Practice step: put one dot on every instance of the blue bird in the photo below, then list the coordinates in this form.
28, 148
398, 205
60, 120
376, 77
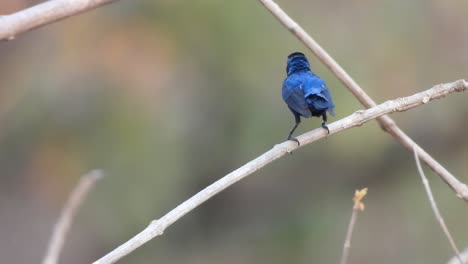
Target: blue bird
305, 93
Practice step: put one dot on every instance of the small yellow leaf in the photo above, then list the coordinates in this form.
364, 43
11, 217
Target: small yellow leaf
358, 196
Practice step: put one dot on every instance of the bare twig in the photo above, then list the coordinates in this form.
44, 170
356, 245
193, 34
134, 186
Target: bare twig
64, 222
357, 207
358, 118
433, 203
463, 255
386, 122
43, 14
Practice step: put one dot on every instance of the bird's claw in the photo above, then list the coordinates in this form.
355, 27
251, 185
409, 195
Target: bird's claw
326, 127
294, 139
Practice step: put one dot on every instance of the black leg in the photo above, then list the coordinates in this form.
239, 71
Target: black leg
298, 121
324, 118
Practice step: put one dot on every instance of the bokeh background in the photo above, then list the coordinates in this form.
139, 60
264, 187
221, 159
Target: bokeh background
169, 96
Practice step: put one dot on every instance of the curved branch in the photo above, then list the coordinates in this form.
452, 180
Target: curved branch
43, 14
435, 208
64, 222
157, 227
385, 122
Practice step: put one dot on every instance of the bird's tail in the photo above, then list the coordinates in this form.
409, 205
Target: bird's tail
320, 103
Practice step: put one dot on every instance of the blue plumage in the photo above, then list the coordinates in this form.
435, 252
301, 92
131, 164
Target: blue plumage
305, 93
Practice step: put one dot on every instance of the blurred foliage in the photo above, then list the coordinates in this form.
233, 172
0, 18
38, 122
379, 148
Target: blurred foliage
168, 96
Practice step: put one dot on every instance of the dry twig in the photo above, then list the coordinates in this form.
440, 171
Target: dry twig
67, 215
386, 122
358, 118
433, 203
357, 207
43, 14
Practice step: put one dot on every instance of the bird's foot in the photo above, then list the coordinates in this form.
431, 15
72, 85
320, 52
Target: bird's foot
326, 127
294, 139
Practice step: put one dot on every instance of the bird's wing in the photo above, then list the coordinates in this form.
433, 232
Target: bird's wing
293, 95
314, 86
318, 95
331, 106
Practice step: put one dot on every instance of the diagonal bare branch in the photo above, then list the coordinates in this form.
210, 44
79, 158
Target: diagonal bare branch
386, 122
64, 222
43, 14
157, 227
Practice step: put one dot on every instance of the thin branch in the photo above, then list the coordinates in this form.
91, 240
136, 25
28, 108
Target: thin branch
67, 215
357, 207
385, 122
433, 203
349, 234
463, 255
358, 118
43, 14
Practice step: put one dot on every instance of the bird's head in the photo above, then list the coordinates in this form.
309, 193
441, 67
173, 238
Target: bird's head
296, 62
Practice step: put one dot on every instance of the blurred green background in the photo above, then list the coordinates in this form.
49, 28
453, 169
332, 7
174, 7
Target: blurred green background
169, 96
